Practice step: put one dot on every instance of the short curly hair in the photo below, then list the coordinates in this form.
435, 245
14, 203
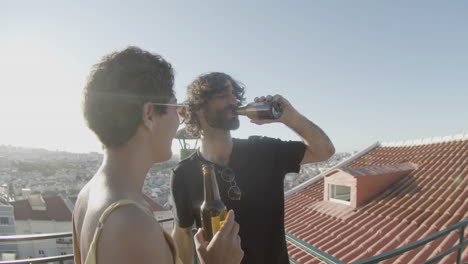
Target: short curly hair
201, 90
117, 88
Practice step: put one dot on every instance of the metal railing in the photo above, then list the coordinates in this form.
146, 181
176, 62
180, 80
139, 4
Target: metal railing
393, 253
59, 259
22, 238
462, 243
323, 256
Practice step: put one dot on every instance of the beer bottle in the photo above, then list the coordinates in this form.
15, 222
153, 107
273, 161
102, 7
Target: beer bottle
263, 110
213, 210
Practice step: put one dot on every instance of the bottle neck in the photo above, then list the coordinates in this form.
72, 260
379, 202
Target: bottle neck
242, 110
211, 184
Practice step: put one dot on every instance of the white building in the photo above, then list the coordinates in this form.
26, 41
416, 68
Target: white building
7, 227
42, 215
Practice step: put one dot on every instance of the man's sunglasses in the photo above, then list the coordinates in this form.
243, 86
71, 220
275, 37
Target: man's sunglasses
180, 108
227, 174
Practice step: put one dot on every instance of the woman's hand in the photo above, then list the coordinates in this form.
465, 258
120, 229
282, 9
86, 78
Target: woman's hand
225, 247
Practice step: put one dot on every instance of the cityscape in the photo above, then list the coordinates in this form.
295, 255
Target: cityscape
52, 173
38, 189
389, 184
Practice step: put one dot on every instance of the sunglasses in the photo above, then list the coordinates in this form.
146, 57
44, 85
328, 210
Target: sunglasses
227, 175
180, 109
234, 192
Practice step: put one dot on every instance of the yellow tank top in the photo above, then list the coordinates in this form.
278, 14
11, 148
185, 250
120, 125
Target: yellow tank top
91, 257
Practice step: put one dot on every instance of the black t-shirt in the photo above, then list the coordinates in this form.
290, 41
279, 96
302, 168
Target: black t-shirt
259, 165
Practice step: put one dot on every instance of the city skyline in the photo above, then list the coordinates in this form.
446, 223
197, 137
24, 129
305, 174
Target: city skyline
370, 72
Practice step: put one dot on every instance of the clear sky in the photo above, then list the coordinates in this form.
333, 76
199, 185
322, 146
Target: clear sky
364, 71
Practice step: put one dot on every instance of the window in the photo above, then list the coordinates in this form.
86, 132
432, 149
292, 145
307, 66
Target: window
41, 252
64, 241
4, 221
8, 256
340, 194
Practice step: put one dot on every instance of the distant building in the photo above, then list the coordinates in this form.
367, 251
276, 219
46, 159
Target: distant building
38, 215
25, 193
7, 227
290, 180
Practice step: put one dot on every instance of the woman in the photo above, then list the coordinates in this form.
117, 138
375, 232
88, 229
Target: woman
129, 104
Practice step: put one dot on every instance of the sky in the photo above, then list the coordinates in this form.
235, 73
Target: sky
363, 71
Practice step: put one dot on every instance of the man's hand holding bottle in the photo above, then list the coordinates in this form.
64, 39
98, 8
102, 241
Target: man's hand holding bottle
285, 112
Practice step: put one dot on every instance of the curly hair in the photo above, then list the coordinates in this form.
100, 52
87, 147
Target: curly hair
117, 88
201, 90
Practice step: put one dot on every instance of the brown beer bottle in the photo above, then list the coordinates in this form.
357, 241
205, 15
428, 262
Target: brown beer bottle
263, 110
213, 210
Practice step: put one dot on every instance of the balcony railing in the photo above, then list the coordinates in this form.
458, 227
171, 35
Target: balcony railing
59, 259
292, 239
317, 253
387, 255
25, 238
462, 243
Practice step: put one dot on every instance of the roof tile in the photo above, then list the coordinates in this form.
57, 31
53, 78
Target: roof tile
427, 200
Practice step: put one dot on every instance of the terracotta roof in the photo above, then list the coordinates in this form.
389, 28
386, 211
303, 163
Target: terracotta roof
55, 209
378, 170
427, 200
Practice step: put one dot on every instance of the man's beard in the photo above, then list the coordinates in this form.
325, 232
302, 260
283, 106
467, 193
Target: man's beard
218, 119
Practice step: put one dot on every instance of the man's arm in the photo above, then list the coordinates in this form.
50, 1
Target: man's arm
184, 241
318, 146
183, 215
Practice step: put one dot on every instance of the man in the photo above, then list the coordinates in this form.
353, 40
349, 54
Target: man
250, 172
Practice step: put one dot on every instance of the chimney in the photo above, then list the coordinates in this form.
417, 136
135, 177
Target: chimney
25, 193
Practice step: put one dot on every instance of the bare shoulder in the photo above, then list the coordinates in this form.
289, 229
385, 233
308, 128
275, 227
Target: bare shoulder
130, 235
80, 208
